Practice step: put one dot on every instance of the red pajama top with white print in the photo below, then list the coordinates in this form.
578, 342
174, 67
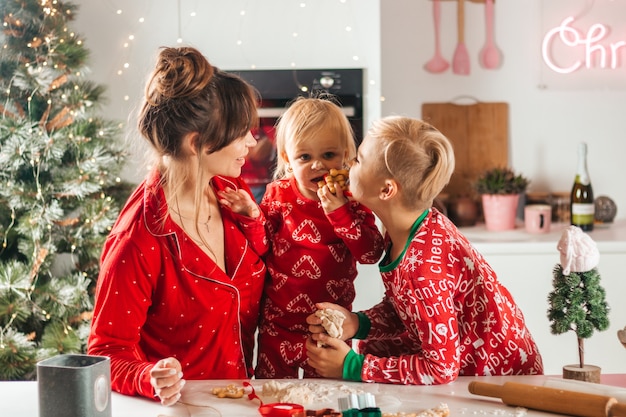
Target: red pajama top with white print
312, 259
159, 295
444, 314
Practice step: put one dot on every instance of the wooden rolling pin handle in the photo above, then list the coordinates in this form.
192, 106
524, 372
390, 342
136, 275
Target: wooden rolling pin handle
547, 399
617, 410
488, 390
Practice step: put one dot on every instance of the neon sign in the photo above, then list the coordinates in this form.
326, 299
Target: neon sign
565, 35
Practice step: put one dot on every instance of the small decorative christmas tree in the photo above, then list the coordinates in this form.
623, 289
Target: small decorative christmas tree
59, 185
577, 302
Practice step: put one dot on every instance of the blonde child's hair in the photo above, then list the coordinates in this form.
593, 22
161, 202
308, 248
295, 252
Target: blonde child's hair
416, 155
303, 120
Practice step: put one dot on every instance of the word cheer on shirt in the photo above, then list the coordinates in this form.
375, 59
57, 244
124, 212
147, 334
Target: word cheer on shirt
444, 314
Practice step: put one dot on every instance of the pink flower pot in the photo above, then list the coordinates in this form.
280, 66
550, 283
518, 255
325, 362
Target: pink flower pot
500, 211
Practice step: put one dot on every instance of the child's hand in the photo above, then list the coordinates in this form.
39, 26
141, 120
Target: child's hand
329, 358
239, 201
331, 201
350, 323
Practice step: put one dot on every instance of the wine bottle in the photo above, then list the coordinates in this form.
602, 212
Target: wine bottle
581, 199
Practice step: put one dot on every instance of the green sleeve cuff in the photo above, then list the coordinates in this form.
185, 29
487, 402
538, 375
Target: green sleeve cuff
364, 326
352, 365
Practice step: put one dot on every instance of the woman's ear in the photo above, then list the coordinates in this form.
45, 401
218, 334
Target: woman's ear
389, 190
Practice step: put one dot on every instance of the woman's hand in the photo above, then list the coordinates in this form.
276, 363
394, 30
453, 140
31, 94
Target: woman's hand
239, 201
328, 359
166, 377
350, 323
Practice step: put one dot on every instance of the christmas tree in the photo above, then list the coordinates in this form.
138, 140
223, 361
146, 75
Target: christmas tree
59, 187
577, 301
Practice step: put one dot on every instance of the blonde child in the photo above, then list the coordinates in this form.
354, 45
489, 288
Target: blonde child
444, 312
316, 237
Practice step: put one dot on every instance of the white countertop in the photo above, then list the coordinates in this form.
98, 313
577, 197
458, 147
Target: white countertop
609, 238
20, 399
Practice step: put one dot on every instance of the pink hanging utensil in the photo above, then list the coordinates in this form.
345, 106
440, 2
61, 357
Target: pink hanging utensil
437, 63
460, 59
489, 56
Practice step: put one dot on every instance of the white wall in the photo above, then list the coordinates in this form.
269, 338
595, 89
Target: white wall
234, 35
544, 125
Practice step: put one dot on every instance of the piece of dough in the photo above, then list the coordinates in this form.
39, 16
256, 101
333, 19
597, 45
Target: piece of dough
332, 321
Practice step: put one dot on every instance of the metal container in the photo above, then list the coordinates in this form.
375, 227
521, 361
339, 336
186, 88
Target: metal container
74, 386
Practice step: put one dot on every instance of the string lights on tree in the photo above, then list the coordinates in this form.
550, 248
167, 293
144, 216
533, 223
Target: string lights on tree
230, 34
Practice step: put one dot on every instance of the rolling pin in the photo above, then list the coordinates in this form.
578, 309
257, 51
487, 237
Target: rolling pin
551, 399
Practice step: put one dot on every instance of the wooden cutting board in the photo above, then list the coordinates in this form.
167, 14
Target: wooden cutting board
479, 133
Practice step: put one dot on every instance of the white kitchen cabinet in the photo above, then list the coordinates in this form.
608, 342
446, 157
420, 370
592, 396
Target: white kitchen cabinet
524, 264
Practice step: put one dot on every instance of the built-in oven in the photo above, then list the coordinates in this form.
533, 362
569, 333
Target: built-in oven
278, 88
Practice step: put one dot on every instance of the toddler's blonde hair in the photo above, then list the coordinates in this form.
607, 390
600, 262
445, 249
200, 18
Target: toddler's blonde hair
303, 120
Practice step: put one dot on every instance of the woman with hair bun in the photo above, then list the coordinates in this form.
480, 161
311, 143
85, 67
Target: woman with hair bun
181, 271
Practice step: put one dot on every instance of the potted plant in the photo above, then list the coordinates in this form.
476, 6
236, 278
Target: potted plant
500, 189
578, 300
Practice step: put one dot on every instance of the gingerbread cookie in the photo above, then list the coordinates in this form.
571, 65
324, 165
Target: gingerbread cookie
339, 176
229, 391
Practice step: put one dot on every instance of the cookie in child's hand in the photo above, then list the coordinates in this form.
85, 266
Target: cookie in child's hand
339, 176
